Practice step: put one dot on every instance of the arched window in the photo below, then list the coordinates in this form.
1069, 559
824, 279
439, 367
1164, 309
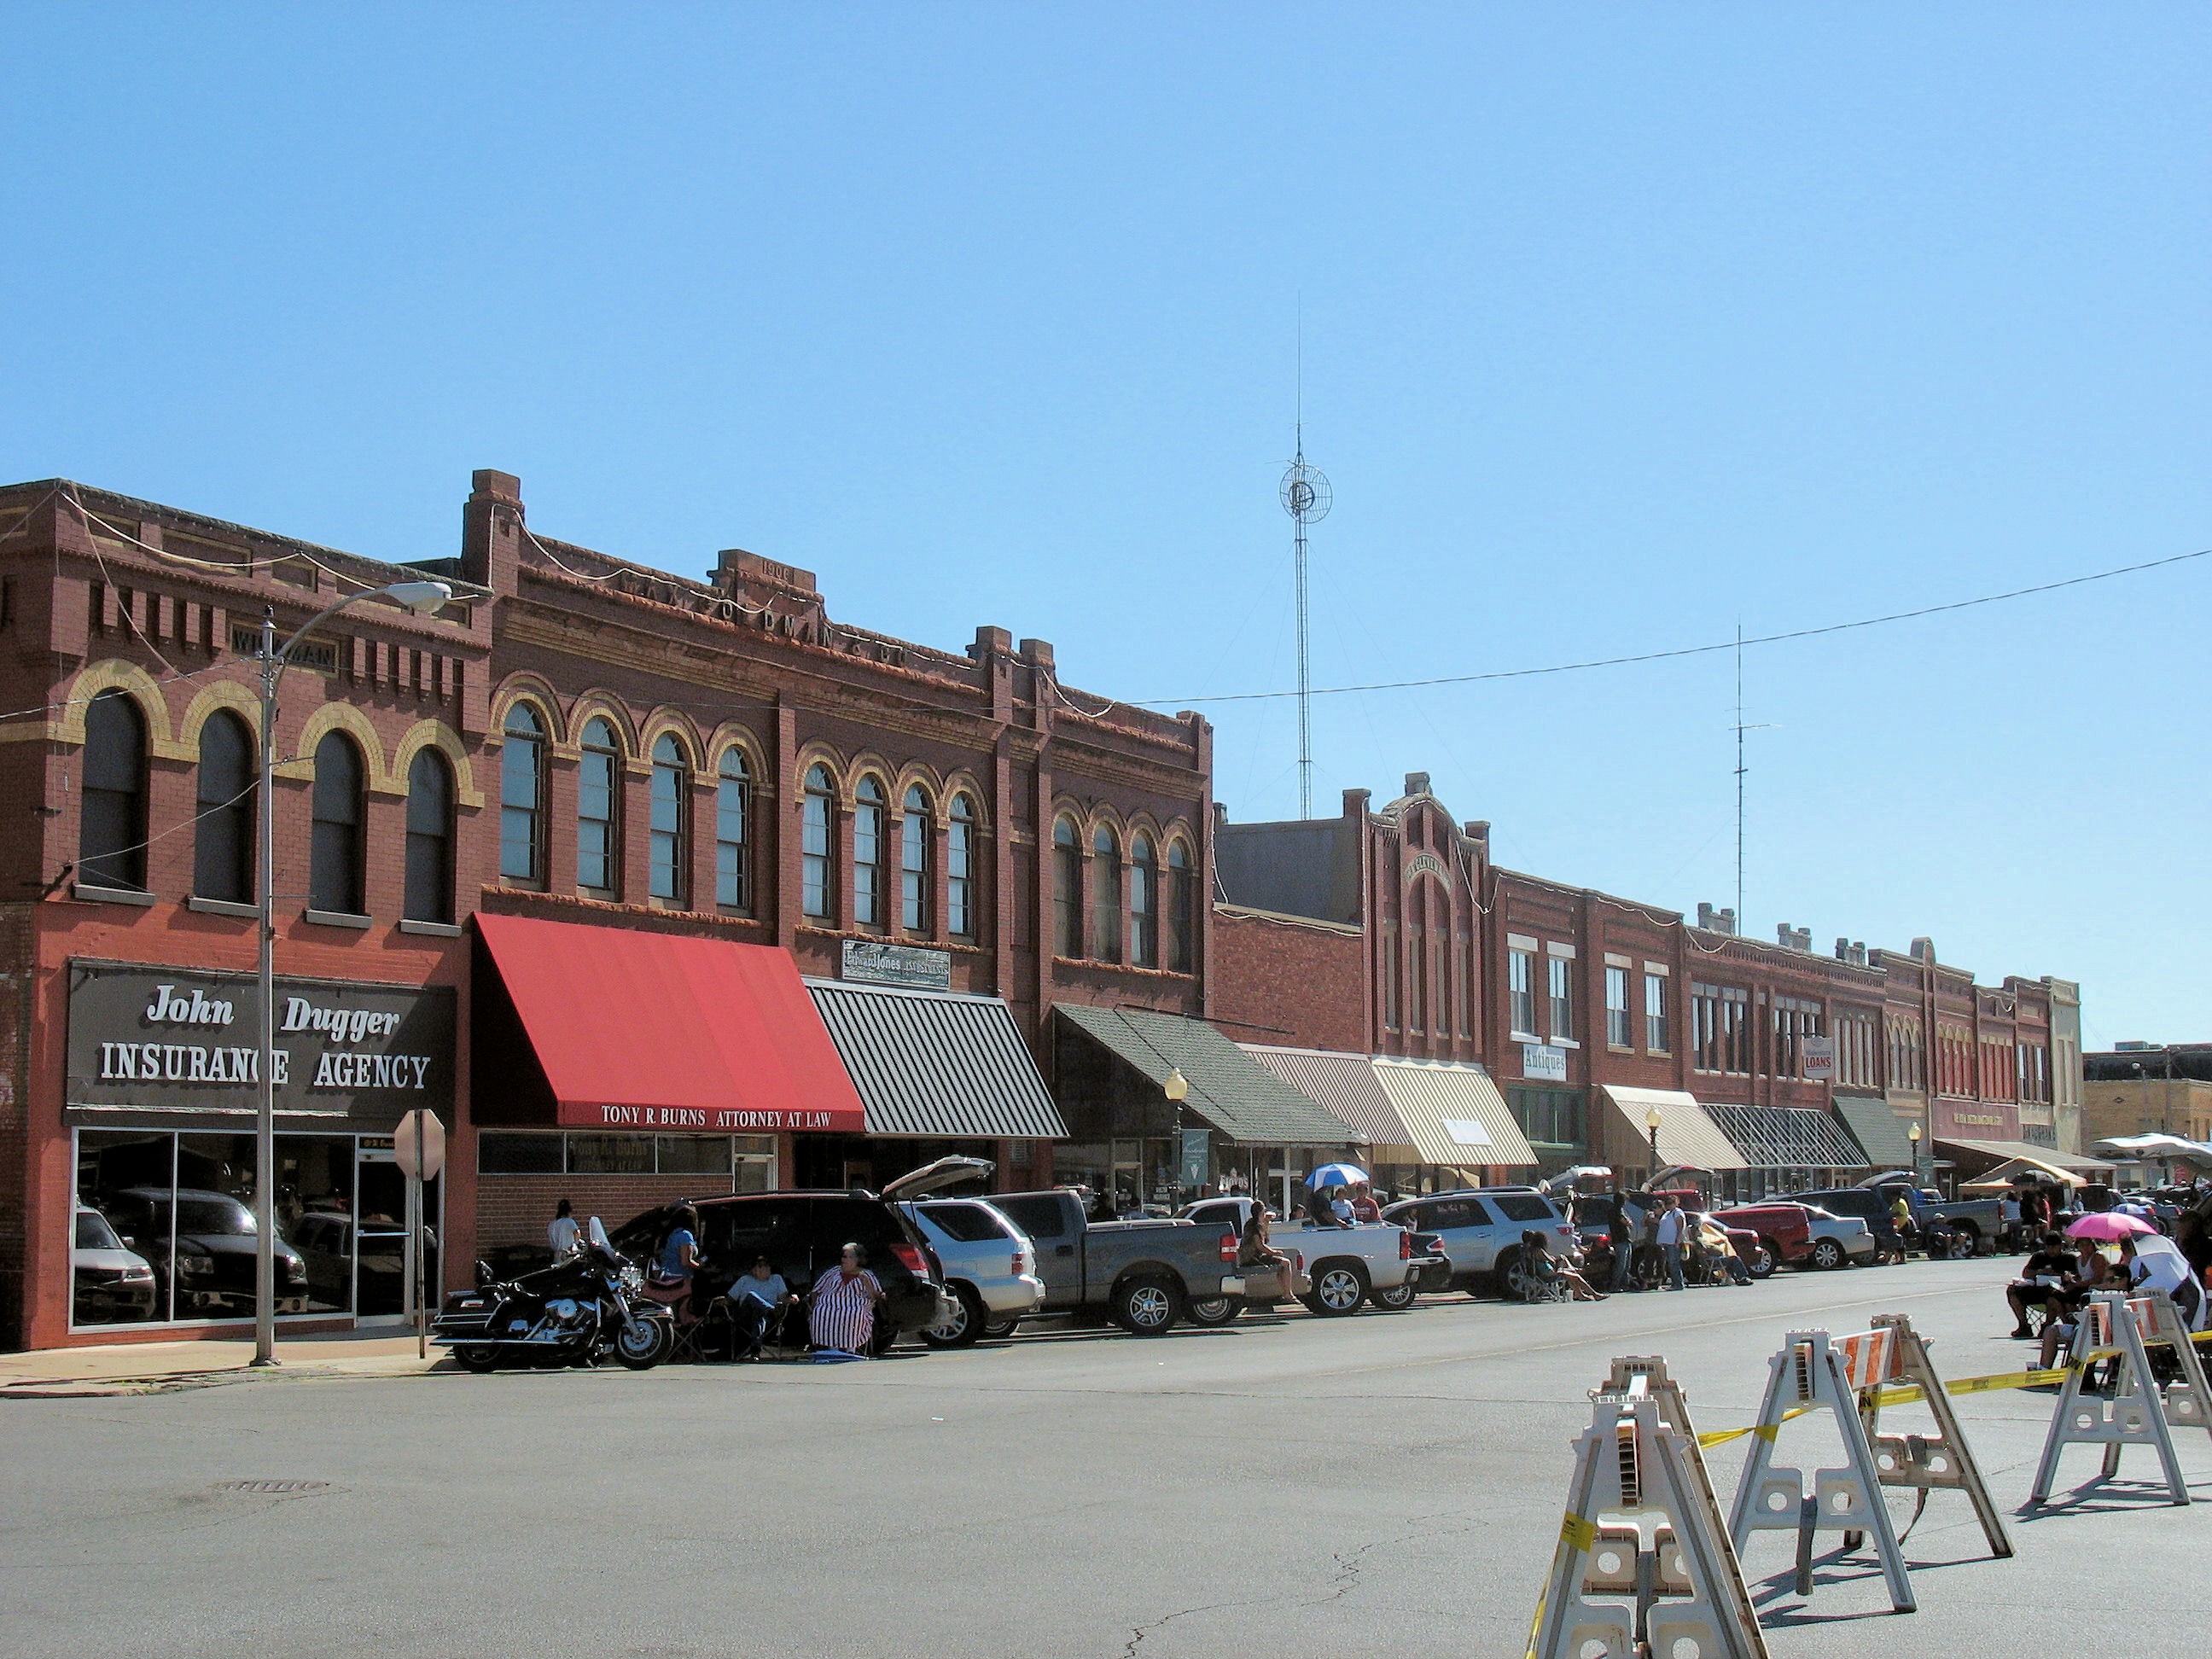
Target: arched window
112, 835
429, 839
222, 843
960, 869
1066, 888
598, 805
816, 889
1143, 904
868, 852
913, 862
334, 864
734, 790
522, 798
1183, 910
669, 854
1105, 896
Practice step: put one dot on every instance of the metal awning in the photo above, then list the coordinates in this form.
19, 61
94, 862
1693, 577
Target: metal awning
937, 1063
1998, 1151
1787, 1138
1879, 1131
1229, 1089
1686, 1135
1454, 1112
1346, 1086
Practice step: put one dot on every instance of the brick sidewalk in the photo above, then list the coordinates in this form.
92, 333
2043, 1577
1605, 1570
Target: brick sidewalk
144, 1367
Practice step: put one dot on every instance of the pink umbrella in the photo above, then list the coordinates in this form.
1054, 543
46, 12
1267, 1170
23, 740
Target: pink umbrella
2109, 1227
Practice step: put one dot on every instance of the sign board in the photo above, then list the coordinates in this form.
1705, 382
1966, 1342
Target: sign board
433, 1140
1465, 1132
155, 1039
1543, 1062
1197, 1159
1819, 1055
1427, 864
872, 963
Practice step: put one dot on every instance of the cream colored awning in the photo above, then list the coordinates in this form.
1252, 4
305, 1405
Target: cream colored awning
1454, 1114
1686, 1135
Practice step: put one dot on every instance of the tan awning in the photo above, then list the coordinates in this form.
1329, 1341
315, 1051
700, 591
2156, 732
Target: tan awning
1686, 1135
1454, 1114
1346, 1086
2000, 1178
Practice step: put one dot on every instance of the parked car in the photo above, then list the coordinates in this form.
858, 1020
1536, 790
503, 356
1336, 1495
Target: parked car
211, 1264
1979, 1221
1481, 1229
989, 1266
111, 1281
1145, 1275
801, 1233
1344, 1267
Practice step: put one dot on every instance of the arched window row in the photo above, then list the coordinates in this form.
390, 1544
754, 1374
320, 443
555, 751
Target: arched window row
1139, 903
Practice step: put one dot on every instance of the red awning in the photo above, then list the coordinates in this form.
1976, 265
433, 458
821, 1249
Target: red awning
640, 1031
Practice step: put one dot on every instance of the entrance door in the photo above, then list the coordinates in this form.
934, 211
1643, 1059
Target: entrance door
384, 1286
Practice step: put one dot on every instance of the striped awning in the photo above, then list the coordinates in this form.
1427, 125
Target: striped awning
1346, 1087
1788, 1138
937, 1063
1454, 1113
1249, 1105
1686, 1135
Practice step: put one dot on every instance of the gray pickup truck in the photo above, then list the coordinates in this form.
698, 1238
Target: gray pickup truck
1975, 1223
1144, 1274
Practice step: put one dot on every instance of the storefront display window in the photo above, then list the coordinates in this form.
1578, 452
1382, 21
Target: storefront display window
747, 1160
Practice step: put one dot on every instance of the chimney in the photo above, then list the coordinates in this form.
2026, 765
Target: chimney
1858, 951
1355, 803
1923, 950
1842, 950
1716, 921
1417, 783
491, 530
1220, 813
1725, 918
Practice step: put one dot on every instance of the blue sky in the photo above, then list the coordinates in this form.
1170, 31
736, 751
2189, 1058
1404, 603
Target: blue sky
1622, 325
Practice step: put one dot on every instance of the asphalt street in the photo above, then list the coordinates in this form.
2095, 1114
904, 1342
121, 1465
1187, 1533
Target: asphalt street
1388, 1484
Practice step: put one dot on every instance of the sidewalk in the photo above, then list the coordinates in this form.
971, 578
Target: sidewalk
157, 1367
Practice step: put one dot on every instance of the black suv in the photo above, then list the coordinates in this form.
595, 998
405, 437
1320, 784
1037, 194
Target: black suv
801, 1234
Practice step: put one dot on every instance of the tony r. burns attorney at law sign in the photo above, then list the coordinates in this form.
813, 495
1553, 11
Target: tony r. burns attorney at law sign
157, 1038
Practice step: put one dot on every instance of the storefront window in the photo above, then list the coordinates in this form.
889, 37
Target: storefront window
610, 1155
694, 1155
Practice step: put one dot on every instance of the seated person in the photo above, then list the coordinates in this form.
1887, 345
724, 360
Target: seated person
2091, 1273
2046, 1268
2153, 1263
1542, 1267
842, 1318
759, 1300
1720, 1252
1256, 1253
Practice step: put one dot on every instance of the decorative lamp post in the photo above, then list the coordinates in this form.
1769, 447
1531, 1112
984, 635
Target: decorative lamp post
1176, 1088
421, 598
1651, 1123
1912, 1134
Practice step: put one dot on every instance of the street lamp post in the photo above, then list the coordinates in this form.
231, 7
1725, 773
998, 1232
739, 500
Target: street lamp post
1912, 1134
1176, 1088
1651, 1123
421, 598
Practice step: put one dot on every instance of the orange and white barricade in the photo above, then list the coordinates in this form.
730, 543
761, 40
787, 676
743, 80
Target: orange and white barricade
2136, 1414
1814, 1373
1643, 1562
1903, 1374
2187, 1399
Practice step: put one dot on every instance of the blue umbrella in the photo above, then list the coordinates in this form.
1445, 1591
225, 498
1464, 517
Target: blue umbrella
1335, 1175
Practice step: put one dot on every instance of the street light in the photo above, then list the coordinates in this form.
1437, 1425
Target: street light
1176, 1087
1912, 1134
1651, 1122
421, 598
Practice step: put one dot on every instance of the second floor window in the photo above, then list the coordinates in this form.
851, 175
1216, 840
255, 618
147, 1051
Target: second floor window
522, 797
1183, 910
1521, 990
112, 832
430, 894
1144, 904
334, 866
598, 799
816, 891
868, 853
668, 874
960, 869
1562, 998
1106, 896
1066, 888
733, 808
1616, 1033
913, 861
222, 847
1655, 1034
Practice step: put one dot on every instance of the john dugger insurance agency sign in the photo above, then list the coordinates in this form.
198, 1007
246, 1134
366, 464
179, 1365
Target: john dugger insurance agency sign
167, 1039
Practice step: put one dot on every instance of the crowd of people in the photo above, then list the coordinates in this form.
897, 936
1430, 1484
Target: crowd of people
2063, 1273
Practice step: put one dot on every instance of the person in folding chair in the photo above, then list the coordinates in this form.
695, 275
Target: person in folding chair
2154, 1262
760, 1302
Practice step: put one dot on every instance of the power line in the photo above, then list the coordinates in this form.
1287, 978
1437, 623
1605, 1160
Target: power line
1685, 650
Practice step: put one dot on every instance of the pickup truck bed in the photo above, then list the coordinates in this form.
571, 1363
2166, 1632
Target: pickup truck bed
1144, 1274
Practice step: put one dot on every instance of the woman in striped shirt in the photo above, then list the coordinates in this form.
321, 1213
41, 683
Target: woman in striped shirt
843, 1315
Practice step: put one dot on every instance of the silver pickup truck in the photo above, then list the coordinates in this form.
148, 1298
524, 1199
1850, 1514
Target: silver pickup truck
1145, 1275
1343, 1267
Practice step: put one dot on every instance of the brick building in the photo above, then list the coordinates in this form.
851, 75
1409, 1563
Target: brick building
1391, 932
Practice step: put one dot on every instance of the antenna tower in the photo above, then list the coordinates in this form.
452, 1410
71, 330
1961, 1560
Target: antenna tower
1306, 498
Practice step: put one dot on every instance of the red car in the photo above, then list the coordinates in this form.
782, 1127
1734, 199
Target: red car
1785, 1229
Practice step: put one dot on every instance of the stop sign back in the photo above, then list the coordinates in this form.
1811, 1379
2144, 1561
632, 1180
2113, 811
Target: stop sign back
434, 1145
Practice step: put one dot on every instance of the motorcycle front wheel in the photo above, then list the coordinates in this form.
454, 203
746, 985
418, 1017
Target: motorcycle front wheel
641, 1344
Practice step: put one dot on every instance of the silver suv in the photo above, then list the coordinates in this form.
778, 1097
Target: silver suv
990, 1267
1480, 1228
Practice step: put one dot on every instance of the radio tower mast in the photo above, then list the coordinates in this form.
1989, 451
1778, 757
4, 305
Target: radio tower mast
1306, 498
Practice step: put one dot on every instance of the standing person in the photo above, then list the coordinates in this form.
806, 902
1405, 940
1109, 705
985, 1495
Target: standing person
1900, 1222
1617, 1235
843, 1317
1364, 1206
1669, 1236
562, 1233
2009, 1219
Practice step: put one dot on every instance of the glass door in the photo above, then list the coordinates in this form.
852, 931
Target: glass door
380, 1235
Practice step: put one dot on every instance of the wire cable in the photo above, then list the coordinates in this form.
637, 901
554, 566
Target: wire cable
1692, 650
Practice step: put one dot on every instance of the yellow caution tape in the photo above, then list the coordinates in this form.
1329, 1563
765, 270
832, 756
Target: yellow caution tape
1906, 1393
1577, 1532
1765, 1431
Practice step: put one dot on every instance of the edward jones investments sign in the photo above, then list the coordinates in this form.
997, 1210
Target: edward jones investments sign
157, 1039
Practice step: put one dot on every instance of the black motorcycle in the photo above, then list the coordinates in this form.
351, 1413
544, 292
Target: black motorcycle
576, 1312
